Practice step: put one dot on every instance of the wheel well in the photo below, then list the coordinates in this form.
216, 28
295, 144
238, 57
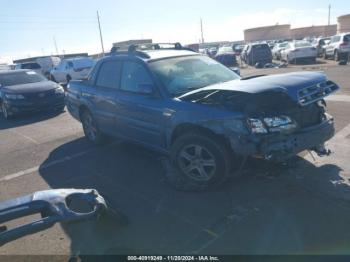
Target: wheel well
192, 128
82, 109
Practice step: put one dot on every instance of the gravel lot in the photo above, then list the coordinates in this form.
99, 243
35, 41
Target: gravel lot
299, 209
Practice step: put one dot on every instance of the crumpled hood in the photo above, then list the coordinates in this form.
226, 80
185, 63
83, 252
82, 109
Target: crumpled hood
30, 88
290, 83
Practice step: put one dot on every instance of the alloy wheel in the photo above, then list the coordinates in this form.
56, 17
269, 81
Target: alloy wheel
89, 127
197, 162
4, 111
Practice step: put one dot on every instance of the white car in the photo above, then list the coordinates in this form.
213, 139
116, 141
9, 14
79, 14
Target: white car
34, 66
276, 50
299, 50
338, 48
72, 69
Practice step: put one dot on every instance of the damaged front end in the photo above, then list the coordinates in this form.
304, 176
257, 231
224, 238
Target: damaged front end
280, 121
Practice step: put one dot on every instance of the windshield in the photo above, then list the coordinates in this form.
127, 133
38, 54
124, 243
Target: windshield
20, 78
183, 74
283, 45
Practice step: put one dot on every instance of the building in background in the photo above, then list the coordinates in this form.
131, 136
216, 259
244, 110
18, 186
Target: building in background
275, 32
313, 31
280, 32
344, 24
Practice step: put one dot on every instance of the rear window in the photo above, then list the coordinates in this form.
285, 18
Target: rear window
262, 46
225, 49
20, 78
82, 63
302, 44
30, 66
347, 38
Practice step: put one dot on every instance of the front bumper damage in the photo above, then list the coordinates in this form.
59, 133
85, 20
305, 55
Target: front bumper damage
279, 147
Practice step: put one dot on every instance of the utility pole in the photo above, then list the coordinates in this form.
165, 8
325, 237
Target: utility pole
54, 41
99, 27
329, 14
202, 36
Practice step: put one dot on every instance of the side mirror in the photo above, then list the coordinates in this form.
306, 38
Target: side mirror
145, 89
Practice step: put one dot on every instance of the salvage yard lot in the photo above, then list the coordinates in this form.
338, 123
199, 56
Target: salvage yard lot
272, 209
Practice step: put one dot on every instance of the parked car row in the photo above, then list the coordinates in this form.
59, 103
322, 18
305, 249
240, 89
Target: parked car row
336, 47
59, 70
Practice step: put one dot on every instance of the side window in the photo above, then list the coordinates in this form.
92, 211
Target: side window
62, 66
69, 64
335, 39
109, 74
135, 78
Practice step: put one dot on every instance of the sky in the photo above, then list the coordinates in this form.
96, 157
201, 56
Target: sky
28, 28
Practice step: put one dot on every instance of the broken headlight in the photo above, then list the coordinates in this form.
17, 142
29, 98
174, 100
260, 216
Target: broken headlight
279, 123
271, 124
14, 96
256, 126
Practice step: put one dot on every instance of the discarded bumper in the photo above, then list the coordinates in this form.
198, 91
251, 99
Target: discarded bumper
53, 205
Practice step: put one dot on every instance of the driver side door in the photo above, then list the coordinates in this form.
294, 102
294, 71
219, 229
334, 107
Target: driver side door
140, 109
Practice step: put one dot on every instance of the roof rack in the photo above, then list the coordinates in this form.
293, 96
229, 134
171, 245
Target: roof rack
138, 49
132, 49
158, 46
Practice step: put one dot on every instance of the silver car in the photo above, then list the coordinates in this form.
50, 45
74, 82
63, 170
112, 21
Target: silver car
338, 48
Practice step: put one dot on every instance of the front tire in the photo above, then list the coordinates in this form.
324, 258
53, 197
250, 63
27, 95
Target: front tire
5, 113
199, 162
91, 131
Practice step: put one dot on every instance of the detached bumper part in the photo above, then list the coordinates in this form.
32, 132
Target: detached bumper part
321, 150
54, 206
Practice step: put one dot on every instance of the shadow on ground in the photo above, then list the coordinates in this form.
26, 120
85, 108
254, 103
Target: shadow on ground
27, 119
272, 209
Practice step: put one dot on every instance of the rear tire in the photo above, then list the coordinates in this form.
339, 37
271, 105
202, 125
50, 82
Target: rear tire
325, 57
336, 55
52, 78
68, 78
91, 131
199, 162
